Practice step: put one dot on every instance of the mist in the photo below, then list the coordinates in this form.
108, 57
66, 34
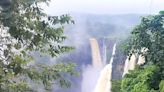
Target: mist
89, 26
97, 35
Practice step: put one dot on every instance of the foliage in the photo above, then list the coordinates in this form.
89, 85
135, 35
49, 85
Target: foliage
116, 86
140, 80
149, 34
27, 29
161, 86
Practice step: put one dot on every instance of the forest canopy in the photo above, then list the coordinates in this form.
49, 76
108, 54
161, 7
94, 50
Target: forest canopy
148, 77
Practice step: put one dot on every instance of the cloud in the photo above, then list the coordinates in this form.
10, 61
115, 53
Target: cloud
105, 6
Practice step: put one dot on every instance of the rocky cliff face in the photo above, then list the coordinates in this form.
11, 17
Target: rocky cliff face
118, 64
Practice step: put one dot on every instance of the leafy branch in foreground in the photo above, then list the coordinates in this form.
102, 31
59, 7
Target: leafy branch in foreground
25, 28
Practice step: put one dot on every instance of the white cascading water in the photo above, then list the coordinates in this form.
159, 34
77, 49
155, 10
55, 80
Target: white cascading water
126, 67
141, 58
91, 72
129, 64
96, 58
104, 81
132, 62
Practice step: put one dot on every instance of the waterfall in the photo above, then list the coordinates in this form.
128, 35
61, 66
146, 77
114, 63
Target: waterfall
141, 59
132, 62
129, 64
91, 72
96, 58
104, 81
126, 66
113, 53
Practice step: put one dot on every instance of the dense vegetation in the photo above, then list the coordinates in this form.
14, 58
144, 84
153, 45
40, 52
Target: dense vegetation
150, 76
25, 28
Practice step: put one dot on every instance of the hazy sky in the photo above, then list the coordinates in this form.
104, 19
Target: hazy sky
105, 6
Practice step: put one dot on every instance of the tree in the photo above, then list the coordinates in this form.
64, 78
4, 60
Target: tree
148, 34
26, 28
140, 80
116, 86
161, 86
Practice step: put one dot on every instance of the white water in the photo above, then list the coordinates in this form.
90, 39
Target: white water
90, 76
141, 59
129, 64
104, 81
132, 62
91, 72
126, 67
96, 58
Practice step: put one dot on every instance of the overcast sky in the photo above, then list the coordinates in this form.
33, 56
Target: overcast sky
105, 6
